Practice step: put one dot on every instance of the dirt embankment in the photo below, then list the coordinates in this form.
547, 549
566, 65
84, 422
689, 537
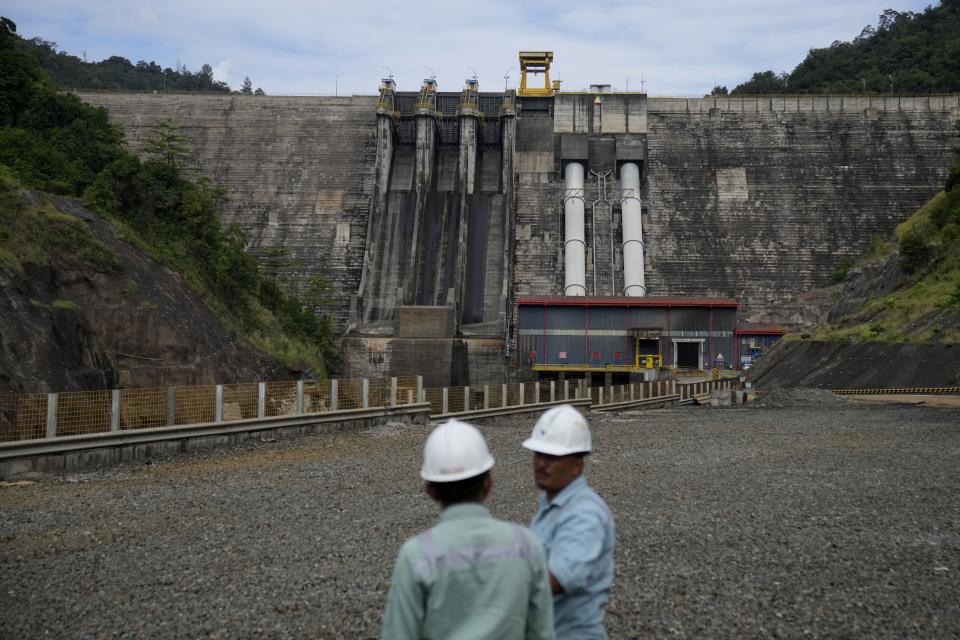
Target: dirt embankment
865, 365
75, 322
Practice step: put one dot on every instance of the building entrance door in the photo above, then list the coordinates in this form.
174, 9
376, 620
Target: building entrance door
688, 355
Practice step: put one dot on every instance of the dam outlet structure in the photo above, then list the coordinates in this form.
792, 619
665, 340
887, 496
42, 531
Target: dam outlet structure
473, 236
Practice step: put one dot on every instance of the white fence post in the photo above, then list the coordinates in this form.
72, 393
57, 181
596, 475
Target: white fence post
503, 396
566, 389
218, 404
334, 394
52, 401
521, 394
601, 396
366, 392
536, 393
486, 396
261, 399
633, 387
553, 391
409, 396
299, 398
115, 410
466, 398
421, 395
444, 401
393, 392
171, 406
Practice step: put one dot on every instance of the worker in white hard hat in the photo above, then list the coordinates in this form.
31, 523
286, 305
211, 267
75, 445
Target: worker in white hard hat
573, 523
470, 576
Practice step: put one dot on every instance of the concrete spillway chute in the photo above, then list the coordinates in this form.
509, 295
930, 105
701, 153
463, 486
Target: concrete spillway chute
631, 207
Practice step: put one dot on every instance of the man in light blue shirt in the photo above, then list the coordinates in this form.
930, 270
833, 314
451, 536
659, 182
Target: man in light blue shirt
573, 523
470, 577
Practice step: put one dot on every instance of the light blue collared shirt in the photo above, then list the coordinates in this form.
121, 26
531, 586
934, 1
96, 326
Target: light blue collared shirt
576, 529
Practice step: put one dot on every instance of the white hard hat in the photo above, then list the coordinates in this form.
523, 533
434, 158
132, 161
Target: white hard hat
560, 431
455, 451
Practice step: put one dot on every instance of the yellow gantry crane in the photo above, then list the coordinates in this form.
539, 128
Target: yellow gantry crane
536, 62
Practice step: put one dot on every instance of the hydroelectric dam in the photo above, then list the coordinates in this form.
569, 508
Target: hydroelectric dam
471, 236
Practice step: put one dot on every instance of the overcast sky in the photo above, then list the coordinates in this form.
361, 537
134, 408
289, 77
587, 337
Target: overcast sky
321, 47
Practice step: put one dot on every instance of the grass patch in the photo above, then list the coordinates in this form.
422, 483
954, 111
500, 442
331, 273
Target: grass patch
39, 234
921, 218
890, 318
64, 304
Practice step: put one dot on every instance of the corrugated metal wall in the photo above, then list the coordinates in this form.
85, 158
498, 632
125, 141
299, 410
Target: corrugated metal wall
603, 335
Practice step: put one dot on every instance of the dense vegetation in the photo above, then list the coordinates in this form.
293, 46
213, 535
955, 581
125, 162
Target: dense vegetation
118, 73
926, 305
904, 53
51, 141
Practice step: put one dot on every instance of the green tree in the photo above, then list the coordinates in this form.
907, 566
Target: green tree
906, 52
764, 82
915, 251
19, 75
165, 142
247, 87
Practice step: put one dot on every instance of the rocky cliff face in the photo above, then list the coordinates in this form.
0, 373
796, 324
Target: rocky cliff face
76, 321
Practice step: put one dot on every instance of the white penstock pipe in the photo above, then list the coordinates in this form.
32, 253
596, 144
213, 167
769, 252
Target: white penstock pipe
574, 245
630, 206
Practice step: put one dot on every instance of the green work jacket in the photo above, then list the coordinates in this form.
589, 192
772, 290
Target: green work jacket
470, 577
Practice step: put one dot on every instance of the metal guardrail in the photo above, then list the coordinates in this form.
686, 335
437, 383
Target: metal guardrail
70, 444
512, 410
898, 391
631, 404
875, 391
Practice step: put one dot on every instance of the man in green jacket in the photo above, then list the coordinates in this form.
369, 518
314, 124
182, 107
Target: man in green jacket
470, 576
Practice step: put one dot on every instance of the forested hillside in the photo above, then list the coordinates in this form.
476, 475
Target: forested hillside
52, 142
904, 53
119, 74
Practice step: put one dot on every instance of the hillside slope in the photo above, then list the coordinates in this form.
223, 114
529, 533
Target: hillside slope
834, 364
80, 308
906, 52
891, 320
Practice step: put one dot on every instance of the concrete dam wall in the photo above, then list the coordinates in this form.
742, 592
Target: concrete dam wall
298, 172
757, 199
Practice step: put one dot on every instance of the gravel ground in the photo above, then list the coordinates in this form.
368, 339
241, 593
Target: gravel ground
813, 520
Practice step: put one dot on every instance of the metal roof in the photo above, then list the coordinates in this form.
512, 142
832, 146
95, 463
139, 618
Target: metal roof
623, 301
762, 330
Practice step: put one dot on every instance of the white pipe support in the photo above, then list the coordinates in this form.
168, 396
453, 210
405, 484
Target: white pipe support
574, 243
634, 283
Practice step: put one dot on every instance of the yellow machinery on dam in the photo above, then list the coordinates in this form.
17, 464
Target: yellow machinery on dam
534, 63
